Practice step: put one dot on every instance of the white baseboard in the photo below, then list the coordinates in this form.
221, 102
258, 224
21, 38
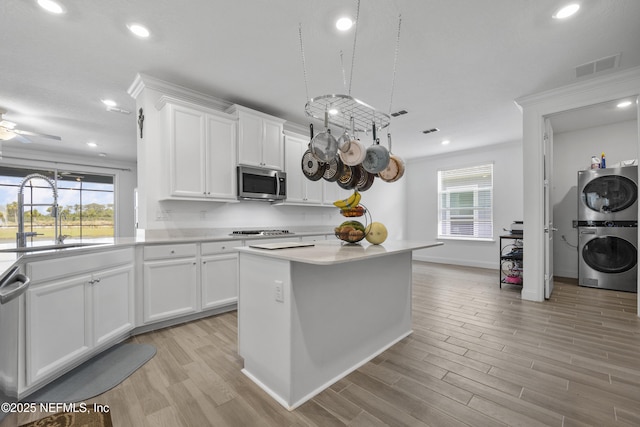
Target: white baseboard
573, 274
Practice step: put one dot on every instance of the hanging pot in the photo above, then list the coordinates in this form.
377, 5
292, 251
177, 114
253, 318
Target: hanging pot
311, 167
355, 154
349, 177
395, 169
344, 142
376, 156
324, 146
366, 179
333, 170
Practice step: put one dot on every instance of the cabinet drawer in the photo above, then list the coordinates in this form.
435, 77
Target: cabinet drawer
72, 265
210, 248
170, 251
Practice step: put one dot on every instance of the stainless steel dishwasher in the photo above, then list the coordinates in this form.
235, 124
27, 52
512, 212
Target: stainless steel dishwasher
12, 285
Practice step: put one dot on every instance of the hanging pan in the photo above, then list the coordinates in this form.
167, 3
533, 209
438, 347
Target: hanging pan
312, 168
324, 146
349, 177
376, 157
354, 152
366, 179
344, 142
395, 169
333, 169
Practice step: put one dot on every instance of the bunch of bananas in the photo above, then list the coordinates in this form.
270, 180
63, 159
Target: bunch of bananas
350, 202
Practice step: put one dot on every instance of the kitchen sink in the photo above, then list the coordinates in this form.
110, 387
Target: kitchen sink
48, 247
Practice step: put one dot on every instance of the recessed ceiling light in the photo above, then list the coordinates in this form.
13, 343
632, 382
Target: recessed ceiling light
109, 102
333, 111
445, 142
343, 24
624, 104
566, 11
139, 30
51, 6
92, 144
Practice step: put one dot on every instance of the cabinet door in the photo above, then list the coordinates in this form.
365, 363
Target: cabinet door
169, 289
250, 137
332, 192
58, 328
313, 191
294, 148
219, 280
112, 307
187, 158
221, 157
299, 188
272, 152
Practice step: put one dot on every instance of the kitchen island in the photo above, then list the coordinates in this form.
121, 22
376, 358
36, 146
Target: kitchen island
309, 316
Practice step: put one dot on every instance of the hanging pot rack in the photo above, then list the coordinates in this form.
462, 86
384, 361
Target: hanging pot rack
346, 108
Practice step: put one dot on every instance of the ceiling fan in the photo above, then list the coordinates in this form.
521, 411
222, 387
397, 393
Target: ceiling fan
8, 131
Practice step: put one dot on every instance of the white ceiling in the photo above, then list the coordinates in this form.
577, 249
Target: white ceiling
461, 63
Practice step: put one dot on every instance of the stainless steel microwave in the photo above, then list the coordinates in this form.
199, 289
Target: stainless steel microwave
261, 184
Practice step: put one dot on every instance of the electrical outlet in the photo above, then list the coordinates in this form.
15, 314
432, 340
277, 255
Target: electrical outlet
279, 291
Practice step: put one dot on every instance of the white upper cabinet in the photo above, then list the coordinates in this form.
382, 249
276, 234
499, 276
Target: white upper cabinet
300, 190
202, 145
260, 140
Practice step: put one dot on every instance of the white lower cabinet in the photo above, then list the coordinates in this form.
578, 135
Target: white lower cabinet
57, 325
219, 273
75, 306
113, 308
170, 283
219, 280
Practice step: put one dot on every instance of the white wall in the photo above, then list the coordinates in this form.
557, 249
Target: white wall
572, 152
422, 202
125, 180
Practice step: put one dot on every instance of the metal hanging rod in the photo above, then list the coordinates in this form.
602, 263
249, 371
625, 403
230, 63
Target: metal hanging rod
346, 108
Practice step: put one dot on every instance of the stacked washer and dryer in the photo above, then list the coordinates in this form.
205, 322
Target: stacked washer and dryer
608, 228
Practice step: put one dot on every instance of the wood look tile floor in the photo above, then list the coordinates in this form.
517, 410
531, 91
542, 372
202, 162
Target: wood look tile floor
478, 356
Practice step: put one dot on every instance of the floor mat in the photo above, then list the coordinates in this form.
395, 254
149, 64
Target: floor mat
74, 419
97, 375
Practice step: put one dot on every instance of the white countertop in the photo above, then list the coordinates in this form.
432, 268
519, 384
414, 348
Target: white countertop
336, 252
8, 259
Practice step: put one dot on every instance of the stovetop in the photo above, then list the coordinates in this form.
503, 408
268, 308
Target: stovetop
260, 232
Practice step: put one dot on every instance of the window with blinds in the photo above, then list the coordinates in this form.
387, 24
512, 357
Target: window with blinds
465, 203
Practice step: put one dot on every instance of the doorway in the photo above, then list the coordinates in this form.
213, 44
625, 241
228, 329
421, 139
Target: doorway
578, 135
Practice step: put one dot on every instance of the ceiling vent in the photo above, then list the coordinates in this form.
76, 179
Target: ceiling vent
597, 66
431, 130
399, 113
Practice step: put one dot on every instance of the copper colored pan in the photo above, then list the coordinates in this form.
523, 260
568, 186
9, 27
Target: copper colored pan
395, 169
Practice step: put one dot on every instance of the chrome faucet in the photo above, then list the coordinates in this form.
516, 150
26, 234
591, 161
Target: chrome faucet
21, 235
61, 237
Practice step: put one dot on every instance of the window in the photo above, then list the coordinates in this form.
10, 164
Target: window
465, 203
85, 201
